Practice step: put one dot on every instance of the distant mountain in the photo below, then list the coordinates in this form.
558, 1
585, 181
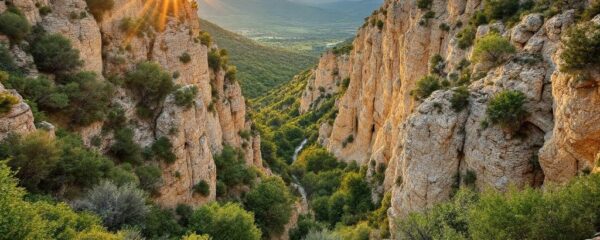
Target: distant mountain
289, 24
248, 13
260, 68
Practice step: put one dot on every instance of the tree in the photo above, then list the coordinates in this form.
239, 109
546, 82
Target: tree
77, 165
582, 48
89, 98
315, 159
33, 157
163, 150
492, 48
506, 108
460, 98
18, 220
225, 222
150, 177
271, 203
117, 206
54, 54
151, 84
14, 25
124, 148
161, 224
231, 168
185, 96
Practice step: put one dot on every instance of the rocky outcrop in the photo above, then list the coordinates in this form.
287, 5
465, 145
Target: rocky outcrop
159, 31
326, 80
429, 148
574, 144
71, 19
19, 120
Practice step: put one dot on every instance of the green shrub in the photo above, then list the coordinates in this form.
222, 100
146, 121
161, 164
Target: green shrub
224, 222
7, 63
202, 188
443, 221
77, 166
232, 169
306, 224
216, 59
567, 212
98, 7
160, 224
470, 178
359, 231
425, 87
466, 37
123, 175
151, 84
14, 25
33, 156
150, 177
162, 149
185, 96
205, 38
185, 58
460, 98
343, 49
231, 74
315, 159
7, 101
492, 48
582, 48
89, 98
424, 4
500, 9
380, 24
124, 148
54, 54
271, 203
507, 109
117, 206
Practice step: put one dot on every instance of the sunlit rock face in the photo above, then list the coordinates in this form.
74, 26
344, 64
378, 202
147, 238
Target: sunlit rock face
428, 147
217, 116
18, 120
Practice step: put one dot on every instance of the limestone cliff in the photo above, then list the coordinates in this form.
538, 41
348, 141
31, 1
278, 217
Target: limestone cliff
430, 148
18, 119
171, 30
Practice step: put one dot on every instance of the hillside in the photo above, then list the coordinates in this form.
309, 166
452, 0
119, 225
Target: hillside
283, 23
260, 68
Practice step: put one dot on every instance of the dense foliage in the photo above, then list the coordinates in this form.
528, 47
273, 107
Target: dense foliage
225, 222
14, 25
569, 212
271, 203
582, 48
507, 109
54, 53
492, 49
151, 84
260, 68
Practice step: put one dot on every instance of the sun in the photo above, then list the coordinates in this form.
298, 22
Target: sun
156, 14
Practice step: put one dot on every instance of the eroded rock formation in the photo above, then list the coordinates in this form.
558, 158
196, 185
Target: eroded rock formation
114, 43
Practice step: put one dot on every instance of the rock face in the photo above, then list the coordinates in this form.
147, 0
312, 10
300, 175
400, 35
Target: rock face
110, 48
18, 120
430, 148
326, 80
